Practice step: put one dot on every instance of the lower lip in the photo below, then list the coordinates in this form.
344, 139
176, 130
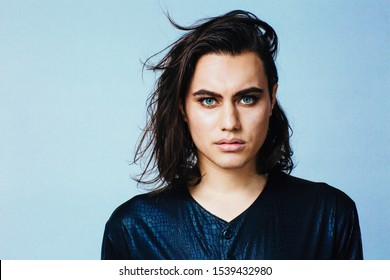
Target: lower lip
234, 147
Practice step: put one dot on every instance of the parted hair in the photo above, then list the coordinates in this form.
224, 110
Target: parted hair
165, 148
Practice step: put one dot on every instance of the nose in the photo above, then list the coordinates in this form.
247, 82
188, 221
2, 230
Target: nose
230, 120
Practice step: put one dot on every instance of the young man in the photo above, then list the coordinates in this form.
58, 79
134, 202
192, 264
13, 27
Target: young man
219, 142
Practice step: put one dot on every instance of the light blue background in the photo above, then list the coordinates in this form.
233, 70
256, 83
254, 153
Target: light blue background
72, 101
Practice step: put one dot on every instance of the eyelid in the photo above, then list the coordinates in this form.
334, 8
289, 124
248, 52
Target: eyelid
202, 99
253, 97
238, 99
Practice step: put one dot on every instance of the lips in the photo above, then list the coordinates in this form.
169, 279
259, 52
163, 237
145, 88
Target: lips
231, 145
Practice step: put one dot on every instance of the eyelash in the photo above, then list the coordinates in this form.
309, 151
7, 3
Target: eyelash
202, 100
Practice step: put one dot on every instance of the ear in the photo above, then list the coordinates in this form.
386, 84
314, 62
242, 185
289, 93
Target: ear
273, 96
182, 111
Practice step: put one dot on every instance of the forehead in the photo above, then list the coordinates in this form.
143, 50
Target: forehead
226, 72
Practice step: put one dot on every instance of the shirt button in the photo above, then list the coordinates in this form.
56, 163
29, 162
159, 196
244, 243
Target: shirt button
227, 234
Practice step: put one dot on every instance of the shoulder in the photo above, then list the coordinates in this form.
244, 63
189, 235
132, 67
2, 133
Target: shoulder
143, 207
328, 214
306, 192
134, 221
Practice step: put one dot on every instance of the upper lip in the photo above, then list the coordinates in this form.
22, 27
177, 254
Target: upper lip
230, 141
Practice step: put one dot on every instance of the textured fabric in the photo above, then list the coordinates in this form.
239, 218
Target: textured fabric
291, 219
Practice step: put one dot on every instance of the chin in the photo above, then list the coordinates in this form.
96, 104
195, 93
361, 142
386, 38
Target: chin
227, 161
236, 164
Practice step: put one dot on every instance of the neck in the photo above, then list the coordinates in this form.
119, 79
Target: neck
226, 193
238, 180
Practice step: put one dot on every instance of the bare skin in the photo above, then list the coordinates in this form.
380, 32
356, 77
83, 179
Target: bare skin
227, 109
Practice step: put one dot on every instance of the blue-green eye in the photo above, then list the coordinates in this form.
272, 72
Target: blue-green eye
248, 100
208, 101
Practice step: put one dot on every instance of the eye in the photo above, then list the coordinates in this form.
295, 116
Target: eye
207, 101
248, 100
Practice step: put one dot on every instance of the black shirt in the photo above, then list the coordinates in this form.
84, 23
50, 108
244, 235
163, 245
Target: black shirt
291, 219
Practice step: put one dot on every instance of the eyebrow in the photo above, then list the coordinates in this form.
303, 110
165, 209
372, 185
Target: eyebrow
245, 91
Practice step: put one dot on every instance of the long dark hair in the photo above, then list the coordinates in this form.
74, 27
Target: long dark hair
166, 144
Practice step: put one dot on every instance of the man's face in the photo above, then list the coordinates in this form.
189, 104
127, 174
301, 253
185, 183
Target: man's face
227, 109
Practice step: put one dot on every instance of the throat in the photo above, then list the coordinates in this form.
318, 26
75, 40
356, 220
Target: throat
228, 201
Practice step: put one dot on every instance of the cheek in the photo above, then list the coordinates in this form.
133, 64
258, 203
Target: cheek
200, 124
259, 116
257, 124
